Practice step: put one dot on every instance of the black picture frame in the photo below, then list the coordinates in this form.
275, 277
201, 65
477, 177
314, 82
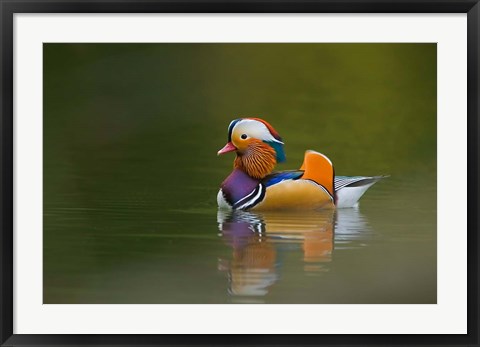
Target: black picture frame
10, 7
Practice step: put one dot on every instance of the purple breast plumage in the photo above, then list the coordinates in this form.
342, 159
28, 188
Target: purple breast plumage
241, 191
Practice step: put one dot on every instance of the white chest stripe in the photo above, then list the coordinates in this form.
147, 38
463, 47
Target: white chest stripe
255, 199
245, 197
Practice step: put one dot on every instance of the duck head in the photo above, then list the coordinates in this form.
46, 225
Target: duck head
257, 144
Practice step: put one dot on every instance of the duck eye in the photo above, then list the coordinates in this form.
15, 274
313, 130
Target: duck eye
244, 136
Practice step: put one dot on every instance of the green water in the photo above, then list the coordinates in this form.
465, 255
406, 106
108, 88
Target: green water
131, 173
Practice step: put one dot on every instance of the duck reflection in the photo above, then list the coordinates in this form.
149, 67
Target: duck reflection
252, 267
261, 240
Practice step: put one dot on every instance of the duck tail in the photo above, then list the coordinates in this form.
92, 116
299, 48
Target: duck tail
349, 190
319, 169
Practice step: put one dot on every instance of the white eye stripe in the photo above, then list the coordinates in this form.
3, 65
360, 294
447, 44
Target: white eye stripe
254, 128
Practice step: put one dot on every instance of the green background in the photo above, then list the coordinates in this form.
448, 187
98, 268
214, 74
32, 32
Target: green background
131, 173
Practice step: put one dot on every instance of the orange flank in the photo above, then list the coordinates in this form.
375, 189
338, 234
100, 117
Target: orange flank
318, 168
295, 194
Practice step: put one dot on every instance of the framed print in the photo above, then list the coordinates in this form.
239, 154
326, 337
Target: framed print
247, 173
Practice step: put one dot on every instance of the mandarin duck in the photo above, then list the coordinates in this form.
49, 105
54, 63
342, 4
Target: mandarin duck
253, 185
